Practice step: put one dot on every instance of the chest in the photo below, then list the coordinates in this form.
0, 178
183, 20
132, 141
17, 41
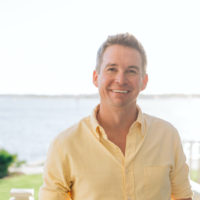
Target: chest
119, 139
98, 175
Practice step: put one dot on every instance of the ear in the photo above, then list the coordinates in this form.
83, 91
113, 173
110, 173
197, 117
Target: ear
144, 81
95, 78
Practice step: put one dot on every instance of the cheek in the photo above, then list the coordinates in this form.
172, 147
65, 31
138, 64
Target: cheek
103, 80
136, 82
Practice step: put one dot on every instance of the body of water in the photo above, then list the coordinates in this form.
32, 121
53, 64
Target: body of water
29, 124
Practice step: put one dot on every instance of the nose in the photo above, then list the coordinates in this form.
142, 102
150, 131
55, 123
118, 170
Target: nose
120, 78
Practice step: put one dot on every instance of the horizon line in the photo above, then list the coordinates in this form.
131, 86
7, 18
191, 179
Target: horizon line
96, 95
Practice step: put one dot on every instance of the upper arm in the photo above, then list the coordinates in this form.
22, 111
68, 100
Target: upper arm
179, 175
56, 182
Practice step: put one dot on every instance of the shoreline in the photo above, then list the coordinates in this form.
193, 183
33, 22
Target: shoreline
96, 96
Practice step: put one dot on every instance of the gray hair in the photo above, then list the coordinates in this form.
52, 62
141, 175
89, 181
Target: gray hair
124, 39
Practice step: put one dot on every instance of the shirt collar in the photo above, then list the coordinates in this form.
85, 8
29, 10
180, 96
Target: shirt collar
140, 121
94, 122
98, 130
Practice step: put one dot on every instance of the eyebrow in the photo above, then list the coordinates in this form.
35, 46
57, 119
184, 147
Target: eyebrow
134, 67
115, 65
111, 64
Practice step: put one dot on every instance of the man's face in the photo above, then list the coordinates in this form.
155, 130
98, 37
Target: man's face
120, 78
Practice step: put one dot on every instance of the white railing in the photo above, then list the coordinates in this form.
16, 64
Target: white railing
196, 190
192, 151
21, 194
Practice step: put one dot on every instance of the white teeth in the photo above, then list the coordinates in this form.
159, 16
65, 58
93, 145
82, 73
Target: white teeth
120, 91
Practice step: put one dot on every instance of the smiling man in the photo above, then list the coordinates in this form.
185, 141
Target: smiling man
119, 152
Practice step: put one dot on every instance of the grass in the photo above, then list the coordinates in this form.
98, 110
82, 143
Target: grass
19, 181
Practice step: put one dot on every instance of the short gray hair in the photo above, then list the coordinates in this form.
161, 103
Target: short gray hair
124, 39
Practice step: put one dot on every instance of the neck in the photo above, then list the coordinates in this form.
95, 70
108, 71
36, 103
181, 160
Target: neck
117, 119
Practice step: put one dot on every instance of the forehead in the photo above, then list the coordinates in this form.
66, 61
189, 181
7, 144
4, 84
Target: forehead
122, 55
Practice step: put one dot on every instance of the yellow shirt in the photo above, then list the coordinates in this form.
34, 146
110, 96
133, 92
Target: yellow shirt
82, 161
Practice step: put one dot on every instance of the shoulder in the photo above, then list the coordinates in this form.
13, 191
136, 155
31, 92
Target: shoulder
158, 122
73, 131
161, 133
156, 125
74, 135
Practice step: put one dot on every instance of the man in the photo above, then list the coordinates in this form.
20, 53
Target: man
117, 153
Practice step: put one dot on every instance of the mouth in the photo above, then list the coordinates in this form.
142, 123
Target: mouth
120, 91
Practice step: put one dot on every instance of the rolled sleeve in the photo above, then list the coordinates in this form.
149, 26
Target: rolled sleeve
56, 182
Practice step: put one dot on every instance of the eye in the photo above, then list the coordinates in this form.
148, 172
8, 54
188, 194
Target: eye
111, 69
132, 71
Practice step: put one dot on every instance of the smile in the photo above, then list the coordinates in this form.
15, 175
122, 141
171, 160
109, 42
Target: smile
120, 91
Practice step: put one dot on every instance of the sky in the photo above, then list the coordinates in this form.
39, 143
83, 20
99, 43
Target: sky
49, 46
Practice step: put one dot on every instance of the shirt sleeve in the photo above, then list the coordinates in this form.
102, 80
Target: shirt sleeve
56, 181
180, 174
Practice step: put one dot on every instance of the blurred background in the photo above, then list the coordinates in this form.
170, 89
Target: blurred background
47, 56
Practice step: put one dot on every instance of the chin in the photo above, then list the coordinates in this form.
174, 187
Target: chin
123, 104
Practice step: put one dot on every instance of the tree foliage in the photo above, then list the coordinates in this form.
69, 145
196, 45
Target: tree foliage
6, 159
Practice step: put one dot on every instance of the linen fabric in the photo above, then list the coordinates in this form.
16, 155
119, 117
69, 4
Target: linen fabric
83, 164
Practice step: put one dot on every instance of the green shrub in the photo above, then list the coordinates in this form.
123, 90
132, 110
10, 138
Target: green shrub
6, 159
